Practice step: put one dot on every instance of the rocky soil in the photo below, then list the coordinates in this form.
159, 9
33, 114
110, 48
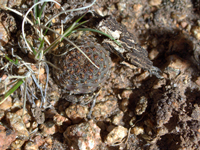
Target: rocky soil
134, 109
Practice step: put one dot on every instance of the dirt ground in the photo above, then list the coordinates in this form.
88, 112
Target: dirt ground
134, 109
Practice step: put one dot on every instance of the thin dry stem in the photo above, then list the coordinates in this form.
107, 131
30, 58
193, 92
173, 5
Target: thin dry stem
25, 18
62, 36
65, 52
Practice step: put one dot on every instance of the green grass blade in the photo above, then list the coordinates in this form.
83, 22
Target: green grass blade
68, 32
74, 28
59, 38
36, 9
13, 89
12, 61
52, 45
97, 31
41, 10
41, 44
80, 17
32, 48
45, 32
16, 61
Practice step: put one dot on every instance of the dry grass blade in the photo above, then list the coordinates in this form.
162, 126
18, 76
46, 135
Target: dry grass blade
9, 92
62, 36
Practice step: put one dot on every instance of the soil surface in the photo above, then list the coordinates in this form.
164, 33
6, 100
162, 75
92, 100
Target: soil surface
134, 109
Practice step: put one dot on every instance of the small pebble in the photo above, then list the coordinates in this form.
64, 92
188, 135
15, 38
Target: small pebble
196, 32
142, 76
17, 104
184, 24
132, 121
141, 105
155, 2
4, 77
126, 93
48, 142
6, 104
177, 63
2, 114
198, 81
198, 22
196, 112
188, 28
154, 42
3, 3
121, 6
137, 130
146, 26
162, 131
26, 117
38, 114
7, 136
39, 140
116, 135
21, 71
59, 120
76, 113
30, 146
137, 7
84, 136
153, 54
34, 125
104, 109
124, 105
48, 128
175, 66
117, 119
17, 124
159, 84
42, 76
17, 144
